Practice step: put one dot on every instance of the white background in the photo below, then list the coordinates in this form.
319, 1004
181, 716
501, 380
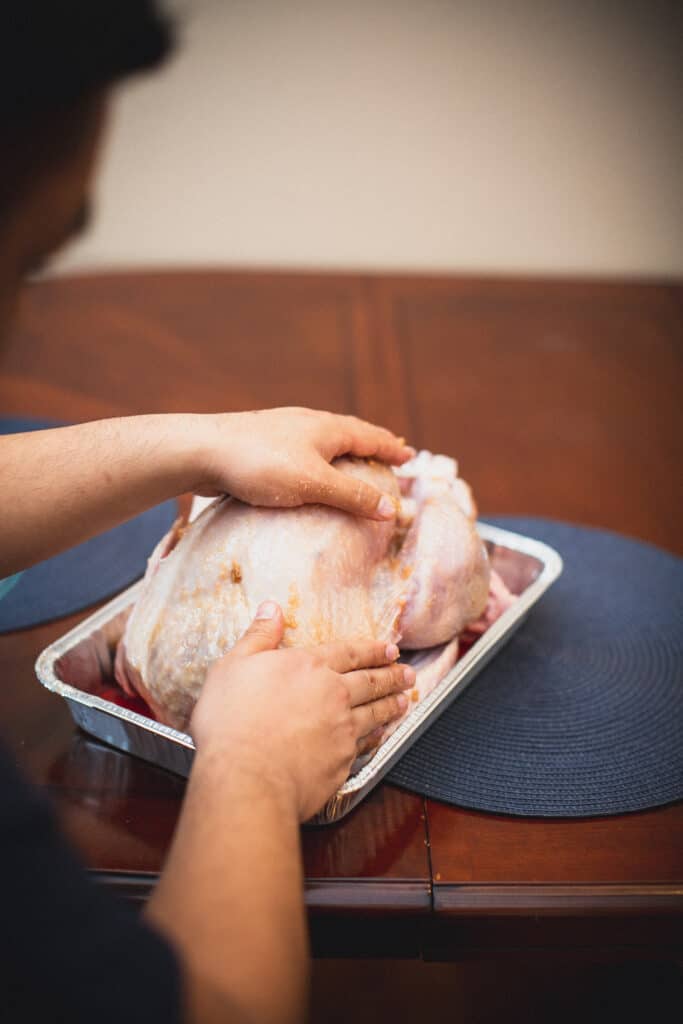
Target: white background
432, 134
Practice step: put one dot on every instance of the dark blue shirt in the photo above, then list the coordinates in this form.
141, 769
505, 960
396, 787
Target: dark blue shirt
70, 951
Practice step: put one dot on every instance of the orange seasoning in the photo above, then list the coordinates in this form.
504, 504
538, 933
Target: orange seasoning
293, 603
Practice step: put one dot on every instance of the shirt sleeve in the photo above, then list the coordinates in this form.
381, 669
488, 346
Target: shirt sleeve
70, 951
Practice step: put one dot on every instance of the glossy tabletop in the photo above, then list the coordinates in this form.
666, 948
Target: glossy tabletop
560, 399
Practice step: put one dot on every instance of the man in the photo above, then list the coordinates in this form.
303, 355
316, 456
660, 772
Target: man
224, 937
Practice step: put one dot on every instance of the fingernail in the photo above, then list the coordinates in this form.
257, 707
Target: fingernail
402, 701
408, 675
387, 507
266, 610
411, 451
391, 652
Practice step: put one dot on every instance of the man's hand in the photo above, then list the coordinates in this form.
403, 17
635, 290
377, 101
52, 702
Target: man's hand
276, 732
94, 475
281, 458
297, 718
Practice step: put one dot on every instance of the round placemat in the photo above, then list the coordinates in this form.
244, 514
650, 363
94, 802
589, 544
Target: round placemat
581, 713
90, 572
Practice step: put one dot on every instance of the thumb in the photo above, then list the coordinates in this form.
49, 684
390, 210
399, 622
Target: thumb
352, 495
264, 633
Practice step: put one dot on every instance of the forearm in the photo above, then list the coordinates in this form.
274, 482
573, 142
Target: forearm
230, 898
61, 486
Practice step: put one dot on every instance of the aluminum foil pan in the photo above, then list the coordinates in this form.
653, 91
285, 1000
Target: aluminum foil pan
79, 667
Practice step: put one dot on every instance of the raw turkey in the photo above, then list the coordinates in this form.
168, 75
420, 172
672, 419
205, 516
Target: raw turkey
418, 580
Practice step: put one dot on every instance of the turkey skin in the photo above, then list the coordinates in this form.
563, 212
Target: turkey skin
418, 580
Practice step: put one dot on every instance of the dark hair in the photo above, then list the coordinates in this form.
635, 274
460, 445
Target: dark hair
56, 58
54, 53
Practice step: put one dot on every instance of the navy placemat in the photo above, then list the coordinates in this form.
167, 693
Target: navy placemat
582, 712
90, 572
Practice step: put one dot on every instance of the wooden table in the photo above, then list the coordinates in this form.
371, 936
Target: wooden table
560, 399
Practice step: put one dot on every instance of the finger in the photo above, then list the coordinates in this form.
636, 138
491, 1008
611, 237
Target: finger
370, 684
367, 440
332, 487
366, 744
264, 633
367, 717
346, 656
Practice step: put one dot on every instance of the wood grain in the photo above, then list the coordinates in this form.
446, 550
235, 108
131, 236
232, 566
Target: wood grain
560, 399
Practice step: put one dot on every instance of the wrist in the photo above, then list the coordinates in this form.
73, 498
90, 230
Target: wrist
205, 449
183, 449
243, 772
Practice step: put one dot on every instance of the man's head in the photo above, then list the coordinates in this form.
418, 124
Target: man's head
58, 60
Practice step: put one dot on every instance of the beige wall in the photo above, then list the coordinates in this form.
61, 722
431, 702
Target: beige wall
514, 136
